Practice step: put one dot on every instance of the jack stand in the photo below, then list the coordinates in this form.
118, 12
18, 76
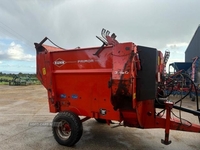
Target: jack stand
168, 107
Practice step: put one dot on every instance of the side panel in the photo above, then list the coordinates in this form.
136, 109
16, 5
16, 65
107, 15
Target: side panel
80, 80
86, 94
146, 79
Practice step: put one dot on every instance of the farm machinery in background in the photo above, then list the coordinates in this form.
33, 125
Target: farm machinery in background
19, 80
192, 71
120, 82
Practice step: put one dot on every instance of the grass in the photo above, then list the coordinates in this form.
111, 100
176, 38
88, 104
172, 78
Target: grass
8, 78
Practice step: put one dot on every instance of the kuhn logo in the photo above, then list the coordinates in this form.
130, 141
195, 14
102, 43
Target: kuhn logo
59, 62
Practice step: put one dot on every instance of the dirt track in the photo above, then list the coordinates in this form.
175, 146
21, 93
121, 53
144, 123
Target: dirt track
22, 108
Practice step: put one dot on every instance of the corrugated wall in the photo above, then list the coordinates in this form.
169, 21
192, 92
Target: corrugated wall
193, 48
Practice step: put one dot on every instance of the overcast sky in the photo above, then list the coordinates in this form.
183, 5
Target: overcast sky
162, 24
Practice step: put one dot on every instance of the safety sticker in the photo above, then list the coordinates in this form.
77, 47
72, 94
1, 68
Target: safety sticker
74, 96
44, 71
63, 96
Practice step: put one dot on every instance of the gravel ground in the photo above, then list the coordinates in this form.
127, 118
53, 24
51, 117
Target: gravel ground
23, 107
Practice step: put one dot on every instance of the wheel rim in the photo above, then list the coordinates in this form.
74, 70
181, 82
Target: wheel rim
63, 130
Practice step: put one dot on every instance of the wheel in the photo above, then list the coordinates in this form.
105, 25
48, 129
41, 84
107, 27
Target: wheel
67, 128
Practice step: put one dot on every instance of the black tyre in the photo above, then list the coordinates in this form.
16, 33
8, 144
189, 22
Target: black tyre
67, 128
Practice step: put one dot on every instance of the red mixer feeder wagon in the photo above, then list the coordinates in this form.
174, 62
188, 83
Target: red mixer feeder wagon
120, 82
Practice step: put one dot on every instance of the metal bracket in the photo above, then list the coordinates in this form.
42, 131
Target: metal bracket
103, 39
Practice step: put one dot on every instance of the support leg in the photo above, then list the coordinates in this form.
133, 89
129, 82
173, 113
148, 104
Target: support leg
168, 106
